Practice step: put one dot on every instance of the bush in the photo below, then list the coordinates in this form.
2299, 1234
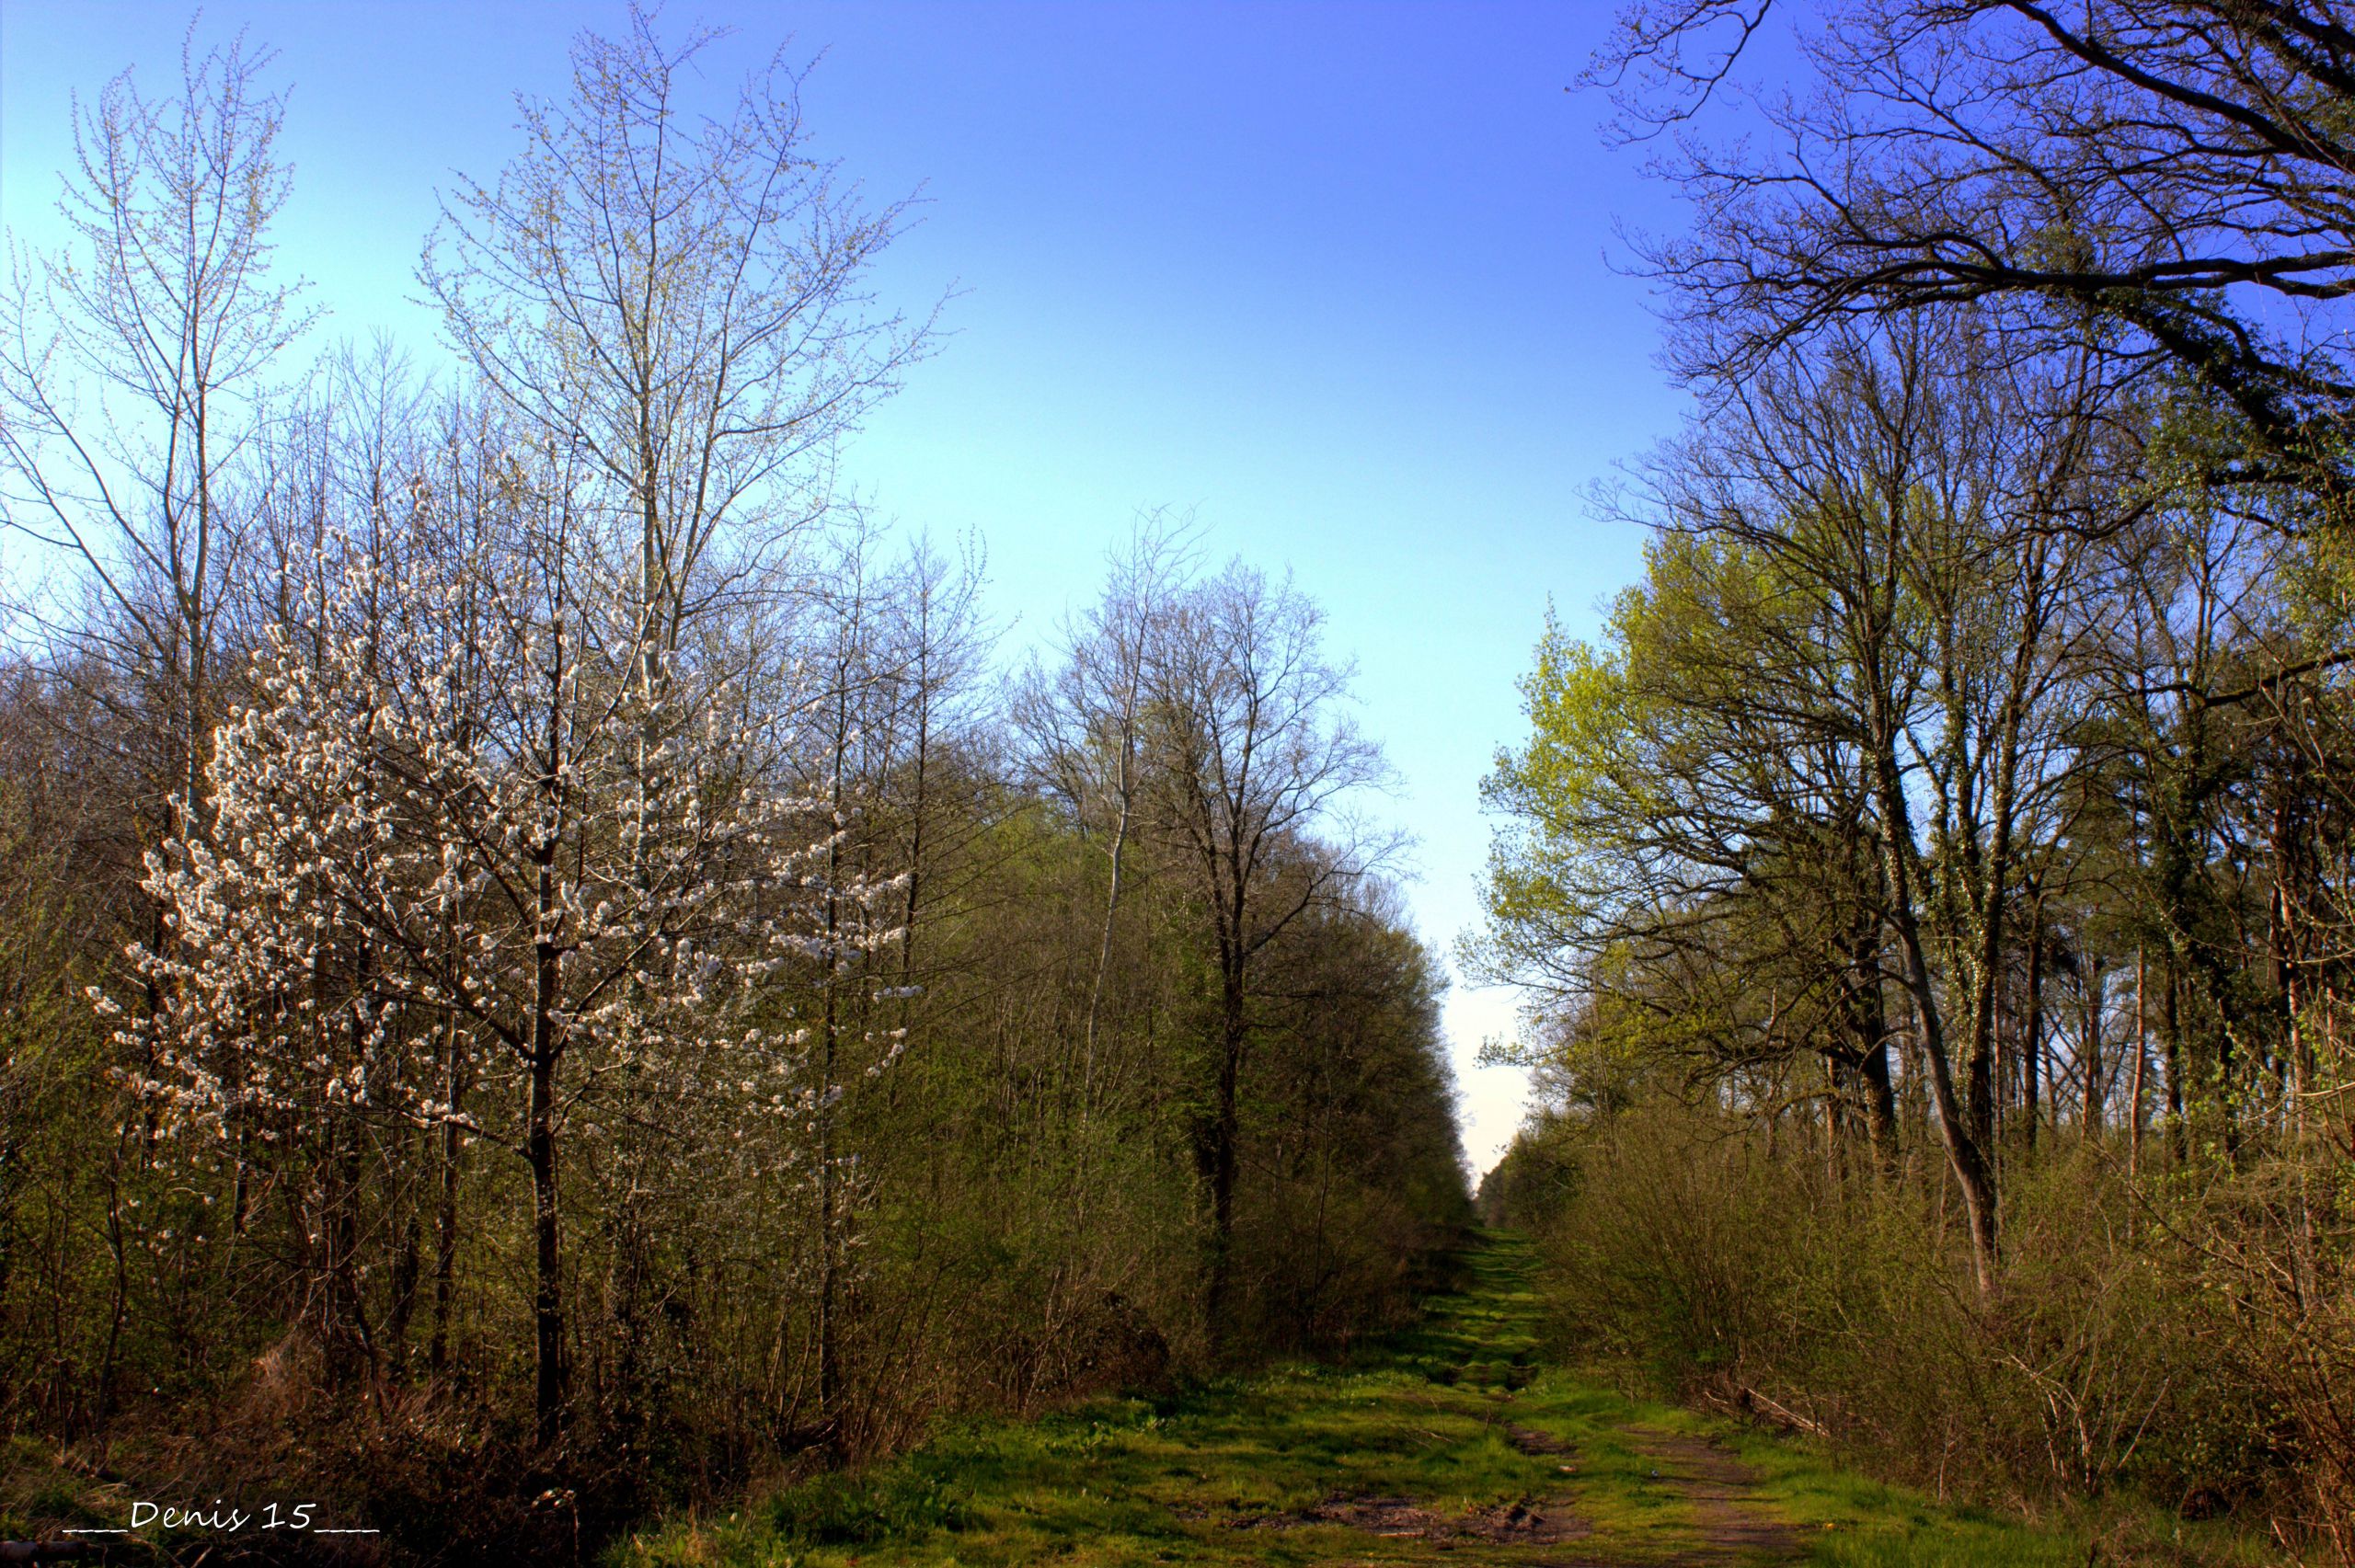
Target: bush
2126, 1353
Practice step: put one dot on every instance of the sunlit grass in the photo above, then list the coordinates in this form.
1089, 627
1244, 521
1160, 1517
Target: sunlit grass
1228, 1472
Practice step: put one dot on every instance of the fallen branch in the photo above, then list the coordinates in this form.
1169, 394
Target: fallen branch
1748, 1401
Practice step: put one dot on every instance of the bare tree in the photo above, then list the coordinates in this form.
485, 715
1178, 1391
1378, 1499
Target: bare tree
1253, 758
680, 298
132, 369
1083, 723
2167, 177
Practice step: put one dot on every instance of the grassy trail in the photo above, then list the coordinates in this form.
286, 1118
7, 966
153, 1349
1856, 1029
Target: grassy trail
1452, 1445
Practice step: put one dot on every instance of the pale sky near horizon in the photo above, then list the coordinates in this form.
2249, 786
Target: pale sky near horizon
1334, 276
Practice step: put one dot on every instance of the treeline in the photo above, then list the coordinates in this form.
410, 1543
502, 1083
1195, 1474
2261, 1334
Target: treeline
1936, 873
542, 968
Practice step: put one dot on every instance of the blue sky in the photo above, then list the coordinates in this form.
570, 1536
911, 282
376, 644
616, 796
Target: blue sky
1333, 275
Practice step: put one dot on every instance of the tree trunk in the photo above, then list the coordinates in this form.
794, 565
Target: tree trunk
539, 1152
445, 1254
1225, 1130
2171, 1041
829, 1197
2032, 1025
547, 1303
1965, 1156
2097, 1070
2142, 1065
1103, 947
1869, 1024
455, 1083
1880, 1104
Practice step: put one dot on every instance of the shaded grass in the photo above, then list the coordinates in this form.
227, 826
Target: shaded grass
1456, 1415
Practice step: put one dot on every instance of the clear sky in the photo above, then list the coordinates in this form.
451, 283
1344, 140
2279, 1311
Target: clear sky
1334, 275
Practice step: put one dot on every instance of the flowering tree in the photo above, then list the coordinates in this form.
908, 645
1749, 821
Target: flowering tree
442, 845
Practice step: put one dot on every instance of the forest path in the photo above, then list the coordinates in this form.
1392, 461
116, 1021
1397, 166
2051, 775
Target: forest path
1452, 1443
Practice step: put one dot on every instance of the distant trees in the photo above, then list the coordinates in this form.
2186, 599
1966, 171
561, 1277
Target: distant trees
1084, 723
1202, 712
1253, 754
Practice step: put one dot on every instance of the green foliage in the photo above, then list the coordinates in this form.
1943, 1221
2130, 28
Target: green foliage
905, 1502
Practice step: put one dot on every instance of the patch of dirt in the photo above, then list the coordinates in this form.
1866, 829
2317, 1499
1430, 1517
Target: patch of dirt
1375, 1515
1528, 1521
1538, 1443
1724, 1497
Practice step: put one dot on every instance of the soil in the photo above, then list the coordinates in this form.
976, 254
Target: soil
1528, 1521
1722, 1493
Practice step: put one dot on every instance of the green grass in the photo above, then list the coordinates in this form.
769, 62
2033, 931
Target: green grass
1227, 1472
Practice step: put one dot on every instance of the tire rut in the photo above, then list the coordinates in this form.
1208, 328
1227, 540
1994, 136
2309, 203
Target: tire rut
1723, 1495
